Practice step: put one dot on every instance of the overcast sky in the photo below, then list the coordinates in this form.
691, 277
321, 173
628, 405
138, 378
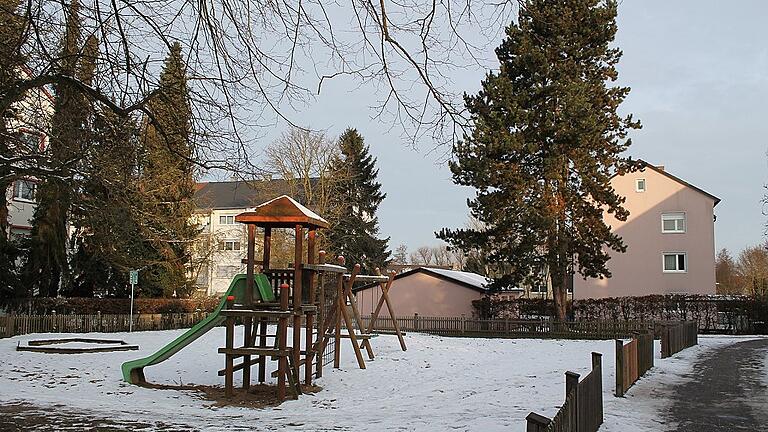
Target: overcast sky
699, 77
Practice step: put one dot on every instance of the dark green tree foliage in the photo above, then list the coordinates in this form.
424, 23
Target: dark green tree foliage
48, 264
167, 182
109, 241
13, 35
355, 233
546, 140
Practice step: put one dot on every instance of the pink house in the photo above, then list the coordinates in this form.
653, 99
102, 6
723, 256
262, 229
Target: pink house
426, 291
670, 238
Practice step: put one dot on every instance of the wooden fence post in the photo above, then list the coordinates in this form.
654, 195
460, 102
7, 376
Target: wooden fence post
416, 322
463, 324
597, 367
620, 368
571, 388
536, 423
9, 322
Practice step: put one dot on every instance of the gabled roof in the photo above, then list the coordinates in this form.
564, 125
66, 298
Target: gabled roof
678, 179
282, 212
240, 194
466, 279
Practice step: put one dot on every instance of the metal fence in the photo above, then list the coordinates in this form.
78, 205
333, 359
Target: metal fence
582, 410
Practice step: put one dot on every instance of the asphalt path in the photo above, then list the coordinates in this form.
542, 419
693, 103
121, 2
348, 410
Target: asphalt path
728, 391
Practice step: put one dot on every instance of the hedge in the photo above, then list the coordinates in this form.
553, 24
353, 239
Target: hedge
714, 313
82, 305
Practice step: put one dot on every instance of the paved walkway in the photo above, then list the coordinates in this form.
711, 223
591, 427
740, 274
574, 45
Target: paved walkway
728, 392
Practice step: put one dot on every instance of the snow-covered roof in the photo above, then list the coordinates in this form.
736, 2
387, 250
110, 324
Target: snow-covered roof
305, 211
468, 278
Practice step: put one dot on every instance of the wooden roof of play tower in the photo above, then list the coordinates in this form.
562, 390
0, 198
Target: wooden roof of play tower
282, 212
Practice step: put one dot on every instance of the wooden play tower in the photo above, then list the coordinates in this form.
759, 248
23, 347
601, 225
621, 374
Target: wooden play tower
313, 299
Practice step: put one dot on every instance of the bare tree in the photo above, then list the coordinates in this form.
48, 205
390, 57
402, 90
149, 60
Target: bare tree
725, 273
251, 63
752, 269
303, 158
422, 256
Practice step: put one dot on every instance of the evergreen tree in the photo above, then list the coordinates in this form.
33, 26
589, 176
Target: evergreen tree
109, 241
546, 140
355, 232
12, 33
167, 181
47, 267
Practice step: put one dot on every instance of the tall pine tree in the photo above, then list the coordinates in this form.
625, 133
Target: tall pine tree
546, 140
109, 240
47, 267
167, 181
354, 233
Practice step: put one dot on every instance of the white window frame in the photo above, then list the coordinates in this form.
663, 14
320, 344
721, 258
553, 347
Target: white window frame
676, 254
227, 218
223, 245
637, 185
673, 216
17, 190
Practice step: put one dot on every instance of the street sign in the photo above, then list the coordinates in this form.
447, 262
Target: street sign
133, 275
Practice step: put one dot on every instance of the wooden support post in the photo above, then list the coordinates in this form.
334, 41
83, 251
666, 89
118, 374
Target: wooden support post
267, 247
229, 358
297, 300
310, 321
356, 312
337, 330
262, 360
320, 319
282, 343
351, 330
248, 321
385, 287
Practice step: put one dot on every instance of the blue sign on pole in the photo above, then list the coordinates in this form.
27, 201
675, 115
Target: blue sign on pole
134, 277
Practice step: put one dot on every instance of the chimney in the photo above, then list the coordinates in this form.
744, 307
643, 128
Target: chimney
660, 167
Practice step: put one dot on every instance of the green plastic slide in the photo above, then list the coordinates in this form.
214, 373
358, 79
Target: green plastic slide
133, 371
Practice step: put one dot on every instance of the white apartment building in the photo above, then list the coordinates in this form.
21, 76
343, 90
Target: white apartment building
222, 245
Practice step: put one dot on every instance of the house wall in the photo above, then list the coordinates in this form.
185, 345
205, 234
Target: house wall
220, 265
20, 212
423, 294
639, 271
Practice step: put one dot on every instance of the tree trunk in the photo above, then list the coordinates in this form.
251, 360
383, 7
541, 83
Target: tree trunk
560, 296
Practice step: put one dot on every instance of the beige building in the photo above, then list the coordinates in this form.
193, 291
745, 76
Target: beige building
29, 126
670, 238
221, 245
428, 292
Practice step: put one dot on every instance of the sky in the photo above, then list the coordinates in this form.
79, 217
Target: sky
699, 77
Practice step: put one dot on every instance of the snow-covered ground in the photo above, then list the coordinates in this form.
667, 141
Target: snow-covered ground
439, 384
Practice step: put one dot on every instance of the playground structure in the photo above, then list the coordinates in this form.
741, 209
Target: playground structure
313, 298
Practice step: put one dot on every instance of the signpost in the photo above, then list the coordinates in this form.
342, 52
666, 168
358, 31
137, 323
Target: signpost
134, 279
